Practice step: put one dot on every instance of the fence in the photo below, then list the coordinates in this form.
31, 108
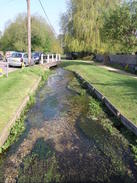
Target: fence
50, 58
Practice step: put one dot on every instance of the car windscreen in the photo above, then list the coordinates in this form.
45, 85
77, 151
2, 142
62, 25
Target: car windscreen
35, 54
25, 56
16, 55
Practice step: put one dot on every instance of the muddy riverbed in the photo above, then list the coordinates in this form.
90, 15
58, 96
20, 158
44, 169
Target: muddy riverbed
62, 143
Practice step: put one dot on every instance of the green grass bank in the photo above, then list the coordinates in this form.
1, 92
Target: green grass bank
14, 89
120, 89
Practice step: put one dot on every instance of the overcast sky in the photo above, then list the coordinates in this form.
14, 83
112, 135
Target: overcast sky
9, 9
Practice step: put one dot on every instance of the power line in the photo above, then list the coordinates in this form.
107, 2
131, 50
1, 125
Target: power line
47, 17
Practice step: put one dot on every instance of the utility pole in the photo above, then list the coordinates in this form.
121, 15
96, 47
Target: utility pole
29, 31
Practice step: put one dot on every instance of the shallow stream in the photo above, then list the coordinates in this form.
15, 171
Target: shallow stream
54, 148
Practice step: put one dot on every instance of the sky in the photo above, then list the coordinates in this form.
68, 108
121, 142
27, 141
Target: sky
9, 9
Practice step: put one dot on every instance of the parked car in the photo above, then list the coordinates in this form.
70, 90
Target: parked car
8, 54
26, 61
36, 57
19, 59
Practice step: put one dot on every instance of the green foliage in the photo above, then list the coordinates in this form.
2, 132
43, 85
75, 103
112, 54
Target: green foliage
134, 150
41, 161
126, 67
52, 174
120, 27
15, 36
82, 22
120, 89
94, 107
18, 128
100, 26
101, 128
13, 85
115, 85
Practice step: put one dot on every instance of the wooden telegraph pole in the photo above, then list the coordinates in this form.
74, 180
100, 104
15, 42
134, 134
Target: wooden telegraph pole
29, 31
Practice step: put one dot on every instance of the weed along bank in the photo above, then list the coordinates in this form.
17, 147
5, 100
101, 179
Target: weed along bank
23, 84
65, 132
68, 91
93, 91
15, 94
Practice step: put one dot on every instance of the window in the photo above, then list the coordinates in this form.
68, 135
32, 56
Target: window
25, 56
16, 55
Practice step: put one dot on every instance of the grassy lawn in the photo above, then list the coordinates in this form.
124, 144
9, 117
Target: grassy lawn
14, 89
120, 89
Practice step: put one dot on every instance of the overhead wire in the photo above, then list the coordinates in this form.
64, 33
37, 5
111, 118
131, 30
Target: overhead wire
52, 28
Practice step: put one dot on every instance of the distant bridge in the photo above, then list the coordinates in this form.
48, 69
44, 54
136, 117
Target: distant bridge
50, 60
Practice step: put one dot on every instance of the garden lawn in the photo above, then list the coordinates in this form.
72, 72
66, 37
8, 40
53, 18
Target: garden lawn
14, 89
120, 89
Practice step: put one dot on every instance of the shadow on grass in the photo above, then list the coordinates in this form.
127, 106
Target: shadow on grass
128, 83
125, 87
116, 123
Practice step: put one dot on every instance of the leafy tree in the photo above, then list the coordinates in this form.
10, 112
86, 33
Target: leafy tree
120, 27
15, 36
82, 22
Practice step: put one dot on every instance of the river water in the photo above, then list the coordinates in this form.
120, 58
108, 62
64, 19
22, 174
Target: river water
53, 147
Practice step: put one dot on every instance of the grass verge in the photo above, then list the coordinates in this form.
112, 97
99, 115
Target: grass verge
18, 127
120, 89
99, 112
26, 78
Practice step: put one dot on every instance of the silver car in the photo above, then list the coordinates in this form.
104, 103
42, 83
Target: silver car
8, 54
19, 59
26, 61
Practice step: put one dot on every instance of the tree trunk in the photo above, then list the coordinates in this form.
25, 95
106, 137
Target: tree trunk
106, 59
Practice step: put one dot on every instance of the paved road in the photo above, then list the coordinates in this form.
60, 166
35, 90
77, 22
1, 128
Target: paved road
3, 65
